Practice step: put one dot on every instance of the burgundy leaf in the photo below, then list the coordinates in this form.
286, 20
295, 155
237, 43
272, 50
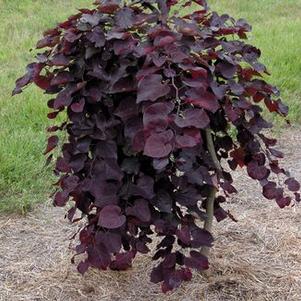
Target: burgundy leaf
197, 261
151, 88
159, 145
292, 184
200, 238
256, 171
155, 116
184, 235
109, 6
125, 18
226, 69
62, 78
110, 217
193, 118
283, 201
78, 107
123, 261
97, 37
190, 138
270, 191
60, 60
205, 100
83, 267
140, 210
52, 144
61, 198
112, 241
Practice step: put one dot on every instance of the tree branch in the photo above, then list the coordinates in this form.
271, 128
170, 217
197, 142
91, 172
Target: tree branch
213, 191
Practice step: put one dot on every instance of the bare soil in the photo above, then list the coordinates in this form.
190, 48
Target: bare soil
257, 258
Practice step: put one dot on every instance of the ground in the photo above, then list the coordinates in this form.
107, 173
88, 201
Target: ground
257, 258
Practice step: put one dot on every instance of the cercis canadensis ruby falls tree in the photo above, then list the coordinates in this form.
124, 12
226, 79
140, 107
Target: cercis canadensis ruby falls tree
151, 100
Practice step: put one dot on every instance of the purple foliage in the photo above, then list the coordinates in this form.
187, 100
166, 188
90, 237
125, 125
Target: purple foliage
139, 86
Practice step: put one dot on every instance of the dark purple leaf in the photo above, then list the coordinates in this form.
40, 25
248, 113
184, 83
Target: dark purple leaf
226, 69
159, 145
140, 210
144, 188
62, 78
52, 144
271, 191
109, 6
184, 235
110, 217
131, 166
61, 198
97, 37
193, 118
123, 261
78, 107
160, 163
83, 267
196, 261
257, 172
112, 241
157, 274
201, 237
126, 109
155, 117
292, 184
151, 88
283, 201
125, 18
190, 138
60, 60
32, 71
205, 100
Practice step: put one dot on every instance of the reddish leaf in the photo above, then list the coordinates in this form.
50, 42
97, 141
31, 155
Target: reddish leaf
140, 210
159, 145
123, 261
197, 261
110, 217
292, 184
256, 171
78, 106
205, 100
52, 144
193, 118
151, 88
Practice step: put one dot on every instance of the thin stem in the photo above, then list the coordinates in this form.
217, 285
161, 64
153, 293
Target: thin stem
213, 190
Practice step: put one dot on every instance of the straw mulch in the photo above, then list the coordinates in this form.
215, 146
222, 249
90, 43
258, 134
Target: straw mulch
258, 258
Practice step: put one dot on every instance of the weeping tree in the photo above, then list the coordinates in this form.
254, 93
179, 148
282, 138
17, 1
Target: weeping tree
159, 108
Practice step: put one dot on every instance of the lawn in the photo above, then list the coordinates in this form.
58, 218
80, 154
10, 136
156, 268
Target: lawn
24, 180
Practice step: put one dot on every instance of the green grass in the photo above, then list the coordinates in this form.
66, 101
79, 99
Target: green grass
23, 179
